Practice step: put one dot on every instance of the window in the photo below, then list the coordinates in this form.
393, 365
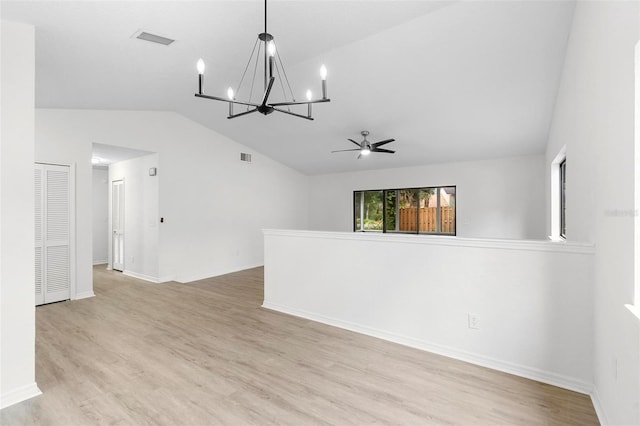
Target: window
430, 210
558, 200
563, 203
368, 214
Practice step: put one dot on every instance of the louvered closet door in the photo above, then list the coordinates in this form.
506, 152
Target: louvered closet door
53, 277
39, 204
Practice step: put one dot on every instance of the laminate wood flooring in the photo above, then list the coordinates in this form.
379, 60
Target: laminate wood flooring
206, 353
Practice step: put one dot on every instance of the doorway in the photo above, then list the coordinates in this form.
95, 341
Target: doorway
117, 217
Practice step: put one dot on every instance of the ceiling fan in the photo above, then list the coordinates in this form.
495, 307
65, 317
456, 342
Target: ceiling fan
365, 147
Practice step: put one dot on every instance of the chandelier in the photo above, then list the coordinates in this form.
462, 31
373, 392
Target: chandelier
265, 46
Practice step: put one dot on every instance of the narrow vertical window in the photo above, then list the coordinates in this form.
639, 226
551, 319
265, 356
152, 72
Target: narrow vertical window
563, 199
358, 224
447, 210
372, 211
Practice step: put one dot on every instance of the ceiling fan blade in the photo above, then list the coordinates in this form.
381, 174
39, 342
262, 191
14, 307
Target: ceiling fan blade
386, 151
351, 140
384, 142
343, 150
359, 157
266, 92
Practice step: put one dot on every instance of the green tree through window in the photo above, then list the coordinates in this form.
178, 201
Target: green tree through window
429, 210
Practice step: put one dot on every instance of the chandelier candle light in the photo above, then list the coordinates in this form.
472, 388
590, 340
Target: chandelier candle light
265, 43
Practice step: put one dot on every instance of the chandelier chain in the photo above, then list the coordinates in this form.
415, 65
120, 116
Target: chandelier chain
253, 80
284, 94
247, 67
284, 71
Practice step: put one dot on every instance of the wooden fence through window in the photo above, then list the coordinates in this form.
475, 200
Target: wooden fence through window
428, 219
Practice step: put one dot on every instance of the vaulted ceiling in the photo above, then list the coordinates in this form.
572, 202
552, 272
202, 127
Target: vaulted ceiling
450, 80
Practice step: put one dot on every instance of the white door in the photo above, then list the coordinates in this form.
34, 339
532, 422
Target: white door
117, 220
52, 233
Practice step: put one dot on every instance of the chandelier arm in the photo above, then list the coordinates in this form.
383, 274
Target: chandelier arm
292, 113
268, 91
247, 67
242, 113
215, 98
316, 101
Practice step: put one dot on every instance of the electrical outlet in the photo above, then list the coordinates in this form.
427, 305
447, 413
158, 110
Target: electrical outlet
474, 322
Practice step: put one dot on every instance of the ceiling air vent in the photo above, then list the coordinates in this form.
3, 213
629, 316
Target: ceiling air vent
245, 157
142, 35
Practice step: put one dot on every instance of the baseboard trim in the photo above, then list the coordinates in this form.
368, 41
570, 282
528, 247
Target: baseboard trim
597, 405
191, 278
84, 295
547, 377
100, 262
139, 276
20, 394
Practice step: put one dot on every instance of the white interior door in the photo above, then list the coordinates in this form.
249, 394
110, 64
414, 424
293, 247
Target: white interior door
117, 220
52, 233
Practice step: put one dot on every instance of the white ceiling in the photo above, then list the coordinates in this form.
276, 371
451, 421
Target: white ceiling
449, 81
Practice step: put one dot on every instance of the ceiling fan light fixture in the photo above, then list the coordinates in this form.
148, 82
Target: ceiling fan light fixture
365, 147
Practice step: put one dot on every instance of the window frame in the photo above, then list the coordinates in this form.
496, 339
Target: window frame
555, 199
562, 181
417, 191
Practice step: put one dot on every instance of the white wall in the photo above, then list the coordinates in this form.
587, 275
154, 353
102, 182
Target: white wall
594, 117
17, 277
533, 299
141, 216
214, 205
100, 217
501, 198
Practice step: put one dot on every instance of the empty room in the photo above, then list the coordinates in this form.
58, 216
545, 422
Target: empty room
319, 212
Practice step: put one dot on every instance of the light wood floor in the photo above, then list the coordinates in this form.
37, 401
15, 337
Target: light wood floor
207, 353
